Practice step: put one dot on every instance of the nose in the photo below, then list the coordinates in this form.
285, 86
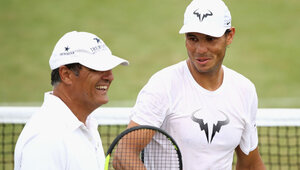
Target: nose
108, 75
201, 47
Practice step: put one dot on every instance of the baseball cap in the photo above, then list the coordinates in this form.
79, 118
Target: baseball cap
210, 17
84, 48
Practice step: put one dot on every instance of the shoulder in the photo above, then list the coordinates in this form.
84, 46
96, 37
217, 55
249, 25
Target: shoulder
237, 79
238, 84
38, 135
41, 130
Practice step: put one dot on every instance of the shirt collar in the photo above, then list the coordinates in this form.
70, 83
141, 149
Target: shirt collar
61, 112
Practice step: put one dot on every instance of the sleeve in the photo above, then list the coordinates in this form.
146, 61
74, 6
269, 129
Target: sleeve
152, 103
249, 139
43, 153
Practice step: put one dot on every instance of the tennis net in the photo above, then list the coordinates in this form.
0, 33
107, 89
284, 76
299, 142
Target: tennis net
278, 129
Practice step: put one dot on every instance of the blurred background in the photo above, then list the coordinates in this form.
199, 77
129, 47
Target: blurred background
145, 32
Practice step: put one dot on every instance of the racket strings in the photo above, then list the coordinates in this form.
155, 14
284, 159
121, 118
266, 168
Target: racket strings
160, 153
144, 149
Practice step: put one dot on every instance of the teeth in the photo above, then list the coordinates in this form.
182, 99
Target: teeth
101, 87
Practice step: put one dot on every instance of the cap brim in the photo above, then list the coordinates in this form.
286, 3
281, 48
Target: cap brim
203, 30
103, 63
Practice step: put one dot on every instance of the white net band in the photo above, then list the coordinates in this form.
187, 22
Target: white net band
120, 115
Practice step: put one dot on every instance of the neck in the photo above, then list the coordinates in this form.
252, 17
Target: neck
77, 108
211, 80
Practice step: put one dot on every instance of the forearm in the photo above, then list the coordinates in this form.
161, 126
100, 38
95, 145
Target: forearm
253, 161
255, 166
128, 162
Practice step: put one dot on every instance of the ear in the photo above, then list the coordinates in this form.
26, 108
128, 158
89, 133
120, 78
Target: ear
65, 75
230, 36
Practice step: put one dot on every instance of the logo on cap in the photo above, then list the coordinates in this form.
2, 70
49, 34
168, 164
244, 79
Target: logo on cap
202, 15
97, 39
67, 48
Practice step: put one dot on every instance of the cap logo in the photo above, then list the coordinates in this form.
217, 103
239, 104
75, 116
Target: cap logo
67, 51
100, 46
67, 48
202, 15
97, 39
227, 23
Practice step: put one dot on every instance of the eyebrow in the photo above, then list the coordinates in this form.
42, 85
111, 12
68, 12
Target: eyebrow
190, 34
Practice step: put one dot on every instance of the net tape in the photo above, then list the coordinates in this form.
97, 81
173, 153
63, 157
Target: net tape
121, 115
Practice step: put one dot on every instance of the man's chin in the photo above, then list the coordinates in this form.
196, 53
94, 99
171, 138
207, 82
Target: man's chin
103, 101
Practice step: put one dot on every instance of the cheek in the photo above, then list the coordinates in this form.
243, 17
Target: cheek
219, 49
220, 53
87, 85
190, 48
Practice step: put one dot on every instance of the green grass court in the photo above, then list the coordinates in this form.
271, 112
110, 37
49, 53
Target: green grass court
265, 48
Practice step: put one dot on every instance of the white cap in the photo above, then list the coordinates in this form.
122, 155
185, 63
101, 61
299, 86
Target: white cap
84, 48
210, 17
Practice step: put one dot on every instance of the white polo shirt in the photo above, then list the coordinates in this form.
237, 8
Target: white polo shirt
206, 125
54, 139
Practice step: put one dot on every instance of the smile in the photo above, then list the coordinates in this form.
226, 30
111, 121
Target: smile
101, 87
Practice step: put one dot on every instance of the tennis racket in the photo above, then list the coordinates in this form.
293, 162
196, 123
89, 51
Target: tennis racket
143, 148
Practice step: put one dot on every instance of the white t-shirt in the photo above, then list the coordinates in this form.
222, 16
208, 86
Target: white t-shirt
54, 139
207, 125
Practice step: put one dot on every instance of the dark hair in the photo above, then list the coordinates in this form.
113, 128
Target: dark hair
227, 31
55, 77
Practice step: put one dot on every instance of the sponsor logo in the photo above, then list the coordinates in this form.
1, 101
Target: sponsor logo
98, 47
67, 51
97, 39
202, 15
204, 126
67, 48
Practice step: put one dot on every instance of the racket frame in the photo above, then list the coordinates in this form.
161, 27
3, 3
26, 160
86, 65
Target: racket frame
125, 132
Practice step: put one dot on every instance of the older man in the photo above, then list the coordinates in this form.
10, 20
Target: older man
62, 135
